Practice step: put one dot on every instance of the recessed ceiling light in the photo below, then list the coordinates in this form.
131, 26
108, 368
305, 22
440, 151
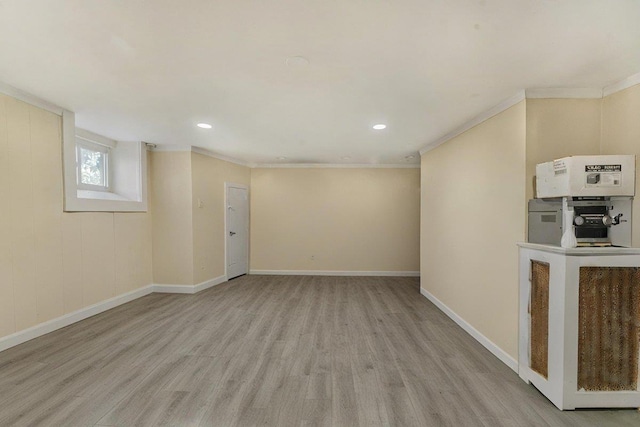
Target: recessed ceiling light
204, 125
281, 158
379, 126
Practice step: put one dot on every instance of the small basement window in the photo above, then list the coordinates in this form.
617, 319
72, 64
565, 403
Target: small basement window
101, 174
93, 163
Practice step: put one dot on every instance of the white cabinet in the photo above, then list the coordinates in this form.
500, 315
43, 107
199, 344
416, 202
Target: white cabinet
579, 324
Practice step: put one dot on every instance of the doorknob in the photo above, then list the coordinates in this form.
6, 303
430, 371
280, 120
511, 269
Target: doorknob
231, 233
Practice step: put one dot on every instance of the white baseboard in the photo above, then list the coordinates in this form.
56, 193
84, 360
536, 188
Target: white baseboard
173, 289
209, 283
68, 319
189, 289
78, 315
486, 342
336, 273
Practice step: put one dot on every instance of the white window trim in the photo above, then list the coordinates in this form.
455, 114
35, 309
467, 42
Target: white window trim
79, 200
108, 170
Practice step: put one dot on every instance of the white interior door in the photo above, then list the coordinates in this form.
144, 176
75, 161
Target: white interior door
237, 230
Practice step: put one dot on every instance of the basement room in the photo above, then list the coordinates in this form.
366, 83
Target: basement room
318, 213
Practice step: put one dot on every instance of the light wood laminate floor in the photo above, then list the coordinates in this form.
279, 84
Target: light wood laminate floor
273, 350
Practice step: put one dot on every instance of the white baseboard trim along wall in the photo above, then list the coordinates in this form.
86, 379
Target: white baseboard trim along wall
84, 313
189, 289
486, 342
336, 273
68, 319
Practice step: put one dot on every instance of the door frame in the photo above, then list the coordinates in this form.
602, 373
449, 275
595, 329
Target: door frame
228, 185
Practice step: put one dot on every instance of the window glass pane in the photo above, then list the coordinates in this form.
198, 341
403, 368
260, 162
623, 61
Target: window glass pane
92, 170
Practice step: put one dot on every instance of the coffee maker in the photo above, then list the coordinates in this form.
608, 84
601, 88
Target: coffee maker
583, 201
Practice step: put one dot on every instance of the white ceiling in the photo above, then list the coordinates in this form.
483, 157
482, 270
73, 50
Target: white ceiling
151, 70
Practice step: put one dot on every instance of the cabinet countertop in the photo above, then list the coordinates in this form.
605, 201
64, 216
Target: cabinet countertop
581, 251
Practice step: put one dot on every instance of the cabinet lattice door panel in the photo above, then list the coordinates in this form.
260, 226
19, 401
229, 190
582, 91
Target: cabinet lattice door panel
539, 311
608, 328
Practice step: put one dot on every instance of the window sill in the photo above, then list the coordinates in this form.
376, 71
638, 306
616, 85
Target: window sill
102, 201
102, 195
104, 204
128, 167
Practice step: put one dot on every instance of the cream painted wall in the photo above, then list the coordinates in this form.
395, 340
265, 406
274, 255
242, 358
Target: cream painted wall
558, 128
347, 219
208, 177
621, 135
188, 241
171, 196
53, 263
473, 198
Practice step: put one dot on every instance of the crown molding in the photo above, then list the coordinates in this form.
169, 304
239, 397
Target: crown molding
564, 93
172, 148
200, 150
504, 105
536, 93
95, 138
621, 85
21, 95
205, 152
335, 166
208, 153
